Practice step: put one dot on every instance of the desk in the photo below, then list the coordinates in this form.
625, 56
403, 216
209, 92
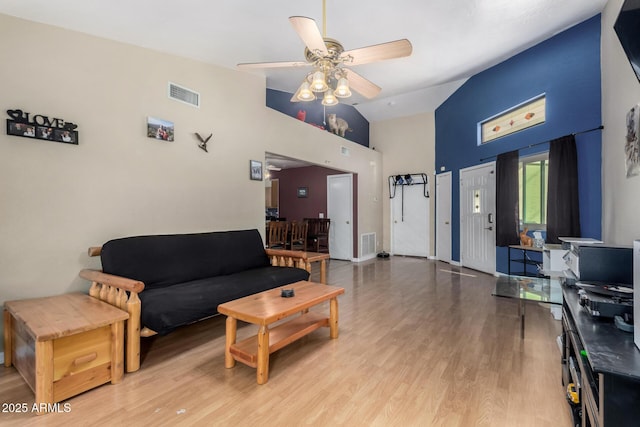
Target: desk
536, 289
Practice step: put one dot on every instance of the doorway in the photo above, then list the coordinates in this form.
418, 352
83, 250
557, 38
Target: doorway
340, 212
272, 198
443, 217
410, 221
477, 213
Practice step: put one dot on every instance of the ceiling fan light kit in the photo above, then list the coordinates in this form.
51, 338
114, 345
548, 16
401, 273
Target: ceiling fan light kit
329, 98
342, 89
328, 57
319, 84
304, 92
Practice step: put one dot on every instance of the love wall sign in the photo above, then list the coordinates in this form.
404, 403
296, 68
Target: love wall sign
38, 126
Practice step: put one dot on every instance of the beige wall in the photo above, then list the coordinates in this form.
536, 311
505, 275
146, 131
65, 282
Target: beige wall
620, 92
408, 146
58, 199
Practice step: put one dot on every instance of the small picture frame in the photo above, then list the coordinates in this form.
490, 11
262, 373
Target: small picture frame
303, 191
66, 136
21, 129
160, 129
255, 170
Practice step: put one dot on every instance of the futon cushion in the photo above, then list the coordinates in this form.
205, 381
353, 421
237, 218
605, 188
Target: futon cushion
166, 308
165, 260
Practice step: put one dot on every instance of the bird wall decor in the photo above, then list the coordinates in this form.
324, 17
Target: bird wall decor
203, 141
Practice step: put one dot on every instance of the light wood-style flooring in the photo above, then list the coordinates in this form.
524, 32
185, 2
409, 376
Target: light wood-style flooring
419, 345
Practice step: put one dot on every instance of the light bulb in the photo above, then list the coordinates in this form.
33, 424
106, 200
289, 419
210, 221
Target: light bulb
318, 84
329, 99
342, 89
305, 93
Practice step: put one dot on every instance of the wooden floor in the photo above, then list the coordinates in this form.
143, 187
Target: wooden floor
419, 345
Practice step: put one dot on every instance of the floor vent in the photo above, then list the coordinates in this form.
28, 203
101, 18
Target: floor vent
183, 94
368, 245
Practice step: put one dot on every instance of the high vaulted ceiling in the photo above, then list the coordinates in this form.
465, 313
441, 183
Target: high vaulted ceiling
452, 39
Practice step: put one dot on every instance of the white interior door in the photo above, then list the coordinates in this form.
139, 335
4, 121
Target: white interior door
410, 221
340, 212
477, 213
443, 216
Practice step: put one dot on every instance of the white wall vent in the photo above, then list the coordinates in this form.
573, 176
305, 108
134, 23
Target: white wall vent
367, 245
182, 94
345, 151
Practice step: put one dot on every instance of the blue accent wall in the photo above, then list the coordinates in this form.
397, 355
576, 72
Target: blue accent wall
567, 69
359, 133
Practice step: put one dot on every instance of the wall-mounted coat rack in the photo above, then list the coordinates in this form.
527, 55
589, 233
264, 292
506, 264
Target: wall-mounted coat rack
408, 179
405, 180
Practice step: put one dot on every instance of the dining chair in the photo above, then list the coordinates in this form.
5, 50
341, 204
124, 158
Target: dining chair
318, 234
278, 234
298, 241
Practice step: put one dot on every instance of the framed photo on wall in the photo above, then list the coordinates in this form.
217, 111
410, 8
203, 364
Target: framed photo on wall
632, 142
255, 170
303, 191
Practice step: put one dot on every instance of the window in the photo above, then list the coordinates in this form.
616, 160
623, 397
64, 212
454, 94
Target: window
532, 179
515, 119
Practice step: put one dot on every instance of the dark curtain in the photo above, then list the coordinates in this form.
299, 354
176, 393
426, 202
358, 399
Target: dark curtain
507, 227
563, 214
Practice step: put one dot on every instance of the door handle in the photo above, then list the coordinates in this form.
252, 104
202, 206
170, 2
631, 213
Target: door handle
347, 222
446, 223
488, 228
490, 219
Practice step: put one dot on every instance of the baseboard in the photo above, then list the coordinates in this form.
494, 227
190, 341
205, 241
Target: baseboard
364, 258
433, 257
456, 263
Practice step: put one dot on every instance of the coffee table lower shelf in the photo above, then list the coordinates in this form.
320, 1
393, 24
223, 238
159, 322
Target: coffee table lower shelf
246, 351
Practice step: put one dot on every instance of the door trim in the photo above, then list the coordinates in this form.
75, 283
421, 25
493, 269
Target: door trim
440, 176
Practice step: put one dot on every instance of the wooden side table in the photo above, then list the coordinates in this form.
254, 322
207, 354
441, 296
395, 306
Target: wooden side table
64, 345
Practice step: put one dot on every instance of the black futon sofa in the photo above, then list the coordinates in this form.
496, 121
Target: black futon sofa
167, 281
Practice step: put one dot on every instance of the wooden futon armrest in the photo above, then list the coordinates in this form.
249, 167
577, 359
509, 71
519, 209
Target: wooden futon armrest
300, 259
120, 292
112, 280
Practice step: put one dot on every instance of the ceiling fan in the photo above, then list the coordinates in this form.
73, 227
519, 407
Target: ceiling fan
328, 58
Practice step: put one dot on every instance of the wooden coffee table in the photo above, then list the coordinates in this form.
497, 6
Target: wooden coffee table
266, 308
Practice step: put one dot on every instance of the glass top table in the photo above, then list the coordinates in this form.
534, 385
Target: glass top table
535, 289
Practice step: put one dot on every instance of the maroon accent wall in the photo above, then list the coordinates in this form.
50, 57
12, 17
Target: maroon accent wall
295, 208
314, 178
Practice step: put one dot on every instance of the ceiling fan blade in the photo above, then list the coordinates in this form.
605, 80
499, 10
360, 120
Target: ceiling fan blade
361, 85
283, 64
379, 52
309, 33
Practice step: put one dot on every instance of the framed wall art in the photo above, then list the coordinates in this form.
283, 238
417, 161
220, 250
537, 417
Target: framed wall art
303, 191
255, 170
160, 129
38, 126
632, 142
